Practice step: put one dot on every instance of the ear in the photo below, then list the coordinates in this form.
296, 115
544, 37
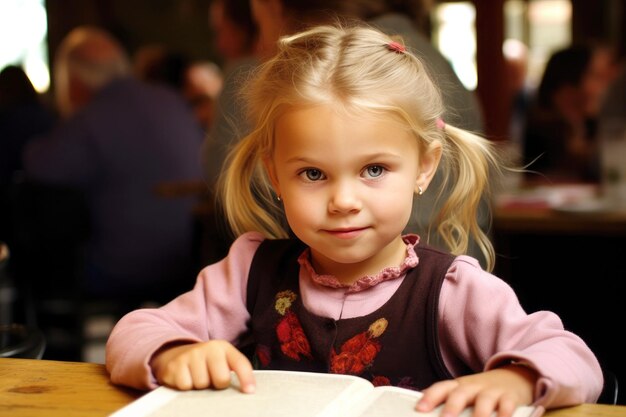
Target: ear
271, 173
429, 161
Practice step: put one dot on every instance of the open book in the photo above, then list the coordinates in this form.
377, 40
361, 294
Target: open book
289, 394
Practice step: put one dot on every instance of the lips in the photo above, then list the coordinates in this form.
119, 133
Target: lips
346, 233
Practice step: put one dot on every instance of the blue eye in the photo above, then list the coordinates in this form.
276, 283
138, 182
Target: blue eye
374, 171
313, 174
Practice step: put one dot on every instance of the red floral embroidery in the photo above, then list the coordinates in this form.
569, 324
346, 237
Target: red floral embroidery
358, 352
293, 341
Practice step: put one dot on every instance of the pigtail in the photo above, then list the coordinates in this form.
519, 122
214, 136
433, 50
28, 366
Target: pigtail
470, 160
246, 192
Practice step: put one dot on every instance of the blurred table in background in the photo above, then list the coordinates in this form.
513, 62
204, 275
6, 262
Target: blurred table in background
563, 249
571, 208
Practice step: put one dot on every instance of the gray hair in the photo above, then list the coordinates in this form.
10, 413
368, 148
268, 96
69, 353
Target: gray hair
93, 57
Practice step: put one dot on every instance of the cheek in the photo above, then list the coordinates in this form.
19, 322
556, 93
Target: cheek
395, 204
301, 211
299, 200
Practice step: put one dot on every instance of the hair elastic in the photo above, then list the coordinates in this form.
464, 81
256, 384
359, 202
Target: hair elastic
440, 123
396, 47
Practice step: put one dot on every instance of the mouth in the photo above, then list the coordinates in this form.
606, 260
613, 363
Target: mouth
346, 232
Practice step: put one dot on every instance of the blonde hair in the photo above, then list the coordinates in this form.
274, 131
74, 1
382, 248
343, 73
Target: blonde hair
355, 67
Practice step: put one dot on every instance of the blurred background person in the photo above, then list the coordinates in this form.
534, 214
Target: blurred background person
234, 28
612, 138
199, 82
614, 102
121, 138
23, 115
159, 64
201, 88
236, 39
560, 140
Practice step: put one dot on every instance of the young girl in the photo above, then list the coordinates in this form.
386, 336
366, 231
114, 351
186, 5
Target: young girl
347, 128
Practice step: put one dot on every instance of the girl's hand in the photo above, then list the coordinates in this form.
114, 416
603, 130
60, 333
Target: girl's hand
202, 365
500, 390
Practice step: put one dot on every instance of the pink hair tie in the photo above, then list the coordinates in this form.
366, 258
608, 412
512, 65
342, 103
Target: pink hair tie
440, 123
396, 47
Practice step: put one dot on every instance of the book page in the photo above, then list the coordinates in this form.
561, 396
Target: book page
278, 393
388, 401
399, 402
289, 394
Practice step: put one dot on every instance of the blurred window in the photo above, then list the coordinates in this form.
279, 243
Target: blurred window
543, 26
23, 34
455, 36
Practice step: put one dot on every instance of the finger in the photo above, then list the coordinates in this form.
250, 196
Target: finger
435, 395
179, 378
507, 407
199, 374
457, 400
218, 370
485, 404
242, 367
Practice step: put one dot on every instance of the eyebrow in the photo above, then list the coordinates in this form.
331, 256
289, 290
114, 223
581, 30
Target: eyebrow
374, 156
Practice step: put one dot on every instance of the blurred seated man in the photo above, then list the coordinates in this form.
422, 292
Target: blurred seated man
120, 139
199, 82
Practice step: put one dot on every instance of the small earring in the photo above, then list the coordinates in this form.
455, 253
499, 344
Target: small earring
420, 190
278, 198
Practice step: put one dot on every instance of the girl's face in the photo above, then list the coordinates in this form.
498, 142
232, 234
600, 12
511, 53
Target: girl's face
347, 185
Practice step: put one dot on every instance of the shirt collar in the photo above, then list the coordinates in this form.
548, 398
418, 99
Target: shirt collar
410, 261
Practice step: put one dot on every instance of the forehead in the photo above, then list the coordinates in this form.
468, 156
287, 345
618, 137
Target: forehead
327, 128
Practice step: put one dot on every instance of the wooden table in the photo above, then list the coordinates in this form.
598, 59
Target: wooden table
52, 388
70, 389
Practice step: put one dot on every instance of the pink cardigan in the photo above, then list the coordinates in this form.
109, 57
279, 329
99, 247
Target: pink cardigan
481, 325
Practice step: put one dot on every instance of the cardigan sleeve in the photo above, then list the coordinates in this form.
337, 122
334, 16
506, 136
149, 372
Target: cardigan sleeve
214, 309
482, 326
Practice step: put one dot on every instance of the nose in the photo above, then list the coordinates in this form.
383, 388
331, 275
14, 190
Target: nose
344, 198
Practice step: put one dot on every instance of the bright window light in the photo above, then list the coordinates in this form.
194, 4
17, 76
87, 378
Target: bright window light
550, 30
23, 33
542, 26
455, 37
